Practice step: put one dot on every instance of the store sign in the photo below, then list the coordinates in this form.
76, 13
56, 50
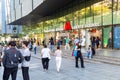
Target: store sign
86, 25
51, 30
59, 29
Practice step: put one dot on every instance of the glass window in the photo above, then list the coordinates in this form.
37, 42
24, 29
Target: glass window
89, 13
97, 12
82, 16
107, 12
76, 18
116, 13
82, 13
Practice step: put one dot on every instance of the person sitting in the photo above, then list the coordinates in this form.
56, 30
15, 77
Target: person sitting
89, 52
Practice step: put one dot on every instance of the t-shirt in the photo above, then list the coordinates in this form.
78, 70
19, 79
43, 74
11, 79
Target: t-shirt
76, 41
45, 53
25, 52
58, 53
83, 42
67, 40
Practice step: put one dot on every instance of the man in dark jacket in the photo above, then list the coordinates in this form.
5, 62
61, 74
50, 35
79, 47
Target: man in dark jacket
11, 59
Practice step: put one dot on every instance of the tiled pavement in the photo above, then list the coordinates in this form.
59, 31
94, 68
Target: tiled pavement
92, 71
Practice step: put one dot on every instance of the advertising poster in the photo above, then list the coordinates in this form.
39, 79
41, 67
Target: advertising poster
107, 37
117, 37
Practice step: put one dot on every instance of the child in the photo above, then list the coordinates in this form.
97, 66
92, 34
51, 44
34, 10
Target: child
89, 52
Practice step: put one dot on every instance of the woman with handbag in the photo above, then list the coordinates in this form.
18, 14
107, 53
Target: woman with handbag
78, 55
25, 64
45, 54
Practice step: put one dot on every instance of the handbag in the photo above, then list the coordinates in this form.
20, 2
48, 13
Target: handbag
75, 53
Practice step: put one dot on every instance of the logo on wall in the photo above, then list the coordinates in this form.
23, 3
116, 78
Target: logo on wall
14, 30
67, 26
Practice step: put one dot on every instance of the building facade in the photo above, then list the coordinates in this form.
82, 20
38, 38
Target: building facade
6, 19
88, 18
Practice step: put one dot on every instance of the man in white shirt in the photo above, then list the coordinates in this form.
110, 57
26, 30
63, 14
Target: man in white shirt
45, 54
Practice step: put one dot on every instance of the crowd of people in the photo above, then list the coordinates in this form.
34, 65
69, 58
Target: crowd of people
13, 56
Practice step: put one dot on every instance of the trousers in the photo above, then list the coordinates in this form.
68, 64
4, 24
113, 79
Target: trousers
58, 63
81, 60
10, 71
25, 73
67, 46
45, 63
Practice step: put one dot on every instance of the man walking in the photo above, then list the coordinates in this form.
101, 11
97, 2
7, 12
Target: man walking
11, 59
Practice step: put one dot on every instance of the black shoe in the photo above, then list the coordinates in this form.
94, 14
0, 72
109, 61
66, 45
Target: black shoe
82, 67
77, 66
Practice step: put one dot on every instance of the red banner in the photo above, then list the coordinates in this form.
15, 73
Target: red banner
67, 26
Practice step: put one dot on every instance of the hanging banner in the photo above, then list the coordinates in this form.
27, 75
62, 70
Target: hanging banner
67, 26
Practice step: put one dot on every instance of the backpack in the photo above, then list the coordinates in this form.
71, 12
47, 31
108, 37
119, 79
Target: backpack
13, 59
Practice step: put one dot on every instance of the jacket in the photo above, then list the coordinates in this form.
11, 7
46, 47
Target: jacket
12, 58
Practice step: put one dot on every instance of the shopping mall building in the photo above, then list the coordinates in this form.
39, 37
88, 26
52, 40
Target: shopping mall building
48, 18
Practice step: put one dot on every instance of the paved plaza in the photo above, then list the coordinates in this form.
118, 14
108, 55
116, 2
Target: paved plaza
92, 71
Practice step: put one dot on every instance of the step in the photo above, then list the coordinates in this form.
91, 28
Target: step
103, 59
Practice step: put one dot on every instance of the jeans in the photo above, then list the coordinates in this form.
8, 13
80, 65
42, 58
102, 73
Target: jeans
35, 50
10, 71
58, 63
52, 48
89, 54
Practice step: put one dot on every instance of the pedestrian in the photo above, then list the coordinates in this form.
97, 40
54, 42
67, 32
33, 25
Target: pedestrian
67, 45
89, 52
1, 49
51, 44
97, 42
58, 43
93, 45
30, 46
26, 62
45, 54
79, 55
58, 54
76, 41
35, 47
11, 59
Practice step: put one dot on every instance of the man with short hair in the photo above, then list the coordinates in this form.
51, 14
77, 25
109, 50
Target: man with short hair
11, 59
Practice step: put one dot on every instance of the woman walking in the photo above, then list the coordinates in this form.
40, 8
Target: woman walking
78, 55
45, 54
58, 54
25, 64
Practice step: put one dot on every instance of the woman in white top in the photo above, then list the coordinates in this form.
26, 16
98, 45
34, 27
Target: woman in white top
58, 54
25, 64
45, 54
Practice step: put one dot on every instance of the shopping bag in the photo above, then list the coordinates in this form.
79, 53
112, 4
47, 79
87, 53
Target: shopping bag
75, 53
